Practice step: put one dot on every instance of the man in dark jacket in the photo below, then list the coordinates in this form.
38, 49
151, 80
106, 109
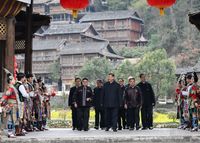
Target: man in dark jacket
133, 102
122, 110
111, 102
71, 103
148, 103
97, 102
83, 101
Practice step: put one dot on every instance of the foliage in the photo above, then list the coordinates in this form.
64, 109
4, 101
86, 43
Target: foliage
172, 115
55, 71
136, 52
124, 70
173, 32
159, 69
96, 68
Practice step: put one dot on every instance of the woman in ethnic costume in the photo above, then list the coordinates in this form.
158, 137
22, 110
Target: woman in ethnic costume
11, 107
193, 103
180, 102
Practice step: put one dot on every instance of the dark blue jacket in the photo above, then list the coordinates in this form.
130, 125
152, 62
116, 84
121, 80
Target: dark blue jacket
112, 95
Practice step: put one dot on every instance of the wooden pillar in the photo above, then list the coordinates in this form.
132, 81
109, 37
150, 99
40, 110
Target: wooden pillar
28, 42
2, 64
10, 46
3, 35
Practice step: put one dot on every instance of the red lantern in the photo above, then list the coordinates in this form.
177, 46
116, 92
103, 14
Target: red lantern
74, 5
161, 4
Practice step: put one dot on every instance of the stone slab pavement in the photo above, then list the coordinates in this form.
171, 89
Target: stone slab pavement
158, 135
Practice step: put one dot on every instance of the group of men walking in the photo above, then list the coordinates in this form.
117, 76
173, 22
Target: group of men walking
25, 106
188, 101
117, 106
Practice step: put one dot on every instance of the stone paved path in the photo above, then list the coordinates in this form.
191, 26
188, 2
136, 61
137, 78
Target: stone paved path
94, 136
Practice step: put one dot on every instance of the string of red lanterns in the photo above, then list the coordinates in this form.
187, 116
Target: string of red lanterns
76, 5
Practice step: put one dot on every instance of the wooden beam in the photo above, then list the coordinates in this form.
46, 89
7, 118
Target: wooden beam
19, 51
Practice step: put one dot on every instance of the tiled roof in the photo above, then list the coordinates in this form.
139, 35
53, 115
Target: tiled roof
110, 15
101, 48
63, 27
195, 68
48, 44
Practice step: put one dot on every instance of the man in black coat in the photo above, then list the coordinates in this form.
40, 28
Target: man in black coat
111, 102
148, 103
122, 110
71, 103
133, 102
97, 102
83, 101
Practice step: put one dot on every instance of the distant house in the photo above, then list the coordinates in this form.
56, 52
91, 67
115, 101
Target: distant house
52, 8
142, 41
69, 44
120, 28
74, 55
70, 57
72, 33
185, 70
45, 54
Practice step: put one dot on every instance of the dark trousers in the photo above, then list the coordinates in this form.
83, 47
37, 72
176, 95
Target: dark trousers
74, 117
99, 118
147, 117
133, 117
83, 114
111, 117
122, 118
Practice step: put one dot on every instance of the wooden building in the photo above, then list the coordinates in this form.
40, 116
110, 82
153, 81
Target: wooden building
52, 8
121, 28
45, 55
77, 32
74, 55
69, 45
70, 57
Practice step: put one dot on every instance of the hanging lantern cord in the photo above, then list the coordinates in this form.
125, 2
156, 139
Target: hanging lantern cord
162, 12
75, 13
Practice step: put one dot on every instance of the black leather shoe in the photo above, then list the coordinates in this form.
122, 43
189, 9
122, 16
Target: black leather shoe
131, 129
119, 128
150, 128
86, 130
114, 130
137, 128
107, 129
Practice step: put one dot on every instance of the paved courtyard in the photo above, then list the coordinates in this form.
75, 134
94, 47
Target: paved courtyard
93, 136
